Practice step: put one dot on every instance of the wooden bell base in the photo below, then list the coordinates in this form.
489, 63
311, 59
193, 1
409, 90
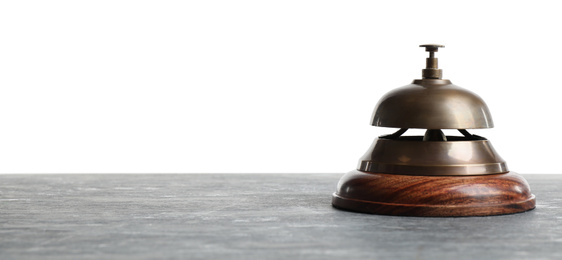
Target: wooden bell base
433, 196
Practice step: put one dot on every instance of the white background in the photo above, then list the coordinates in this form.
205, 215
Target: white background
260, 86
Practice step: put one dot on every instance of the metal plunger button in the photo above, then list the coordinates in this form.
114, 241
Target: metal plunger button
432, 70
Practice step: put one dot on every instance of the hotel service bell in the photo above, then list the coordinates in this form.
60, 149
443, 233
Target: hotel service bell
433, 174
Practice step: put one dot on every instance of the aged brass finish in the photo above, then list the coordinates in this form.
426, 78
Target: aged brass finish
432, 104
412, 156
433, 174
432, 70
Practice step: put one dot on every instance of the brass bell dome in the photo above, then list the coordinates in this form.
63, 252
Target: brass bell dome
432, 103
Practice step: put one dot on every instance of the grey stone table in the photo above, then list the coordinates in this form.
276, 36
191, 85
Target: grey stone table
249, 216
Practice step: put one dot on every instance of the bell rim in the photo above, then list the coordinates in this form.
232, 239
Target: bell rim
432, 158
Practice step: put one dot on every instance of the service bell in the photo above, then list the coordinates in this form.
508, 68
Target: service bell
434, 174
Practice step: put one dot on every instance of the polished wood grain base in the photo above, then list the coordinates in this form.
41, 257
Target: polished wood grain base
433, 196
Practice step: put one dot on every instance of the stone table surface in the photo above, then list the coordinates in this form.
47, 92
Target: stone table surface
248, 216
